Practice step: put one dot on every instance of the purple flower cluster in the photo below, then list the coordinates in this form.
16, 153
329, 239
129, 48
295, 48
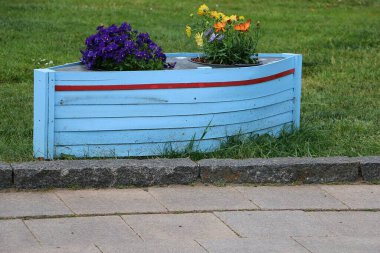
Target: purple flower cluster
121, 48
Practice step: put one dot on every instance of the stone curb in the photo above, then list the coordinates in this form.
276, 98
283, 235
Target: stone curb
5, 176
104, 173
130, 172
280, 170
370, 168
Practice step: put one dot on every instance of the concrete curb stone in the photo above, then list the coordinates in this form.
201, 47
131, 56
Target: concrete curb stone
147, 172
104, 173
5, 175
370, 168
279, 170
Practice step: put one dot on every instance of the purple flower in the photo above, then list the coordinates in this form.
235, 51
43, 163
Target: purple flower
212, 37
112, 46
208, 32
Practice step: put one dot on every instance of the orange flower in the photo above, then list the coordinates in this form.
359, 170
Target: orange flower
220, 26
243, 27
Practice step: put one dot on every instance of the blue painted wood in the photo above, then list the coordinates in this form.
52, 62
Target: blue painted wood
193, 95
146, 110
162, 135
41, 113
148, 149
297, 90
141, 122
171, 76
51, 116
105, 124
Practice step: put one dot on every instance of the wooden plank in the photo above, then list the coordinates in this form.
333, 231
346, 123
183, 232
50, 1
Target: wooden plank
41, 113
192, 95
90, 78
163, 135
182, 85
297, 91
150, 149
146, 110
104, 124
51, 117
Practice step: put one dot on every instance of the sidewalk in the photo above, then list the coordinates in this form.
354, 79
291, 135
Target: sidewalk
307, 218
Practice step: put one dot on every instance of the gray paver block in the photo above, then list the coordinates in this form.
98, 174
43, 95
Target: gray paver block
179, 226
370, 167
14, 235
70, 232
280, 170
291, 197
19, 204
273, 223
256, 245
5, 176
180, 198
49, 249
171, 246
340, 244
354, 224
356, 196
108, 201
104, 173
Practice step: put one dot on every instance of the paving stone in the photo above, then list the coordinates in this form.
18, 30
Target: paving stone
49, 249
370, 167
273, 223
256, 245
179, 226
291, 197
354, 224
279, 170
104, 173
5, 176
19, 204
108, 201
180, 198
356, 196
70, 232
15, 235
340, 244
171, 246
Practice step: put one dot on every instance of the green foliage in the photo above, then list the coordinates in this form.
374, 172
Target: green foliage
234, 48
224, 39
339, 41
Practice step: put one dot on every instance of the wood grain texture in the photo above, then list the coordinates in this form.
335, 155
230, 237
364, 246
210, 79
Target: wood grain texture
120, 123
149, 149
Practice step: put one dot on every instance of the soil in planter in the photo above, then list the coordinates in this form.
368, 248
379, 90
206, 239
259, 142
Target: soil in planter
200, 60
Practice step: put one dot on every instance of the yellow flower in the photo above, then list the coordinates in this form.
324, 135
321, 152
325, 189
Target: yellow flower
214, 14
241, 17
203, 10
221, 15
233, 18
188, 31
199, 39
225, 18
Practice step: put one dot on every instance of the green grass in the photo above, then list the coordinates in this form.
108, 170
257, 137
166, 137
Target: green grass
340, 41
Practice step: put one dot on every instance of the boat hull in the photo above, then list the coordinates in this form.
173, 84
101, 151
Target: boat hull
145, 113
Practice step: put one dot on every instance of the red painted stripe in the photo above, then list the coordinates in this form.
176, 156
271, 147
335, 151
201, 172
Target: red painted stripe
171, 85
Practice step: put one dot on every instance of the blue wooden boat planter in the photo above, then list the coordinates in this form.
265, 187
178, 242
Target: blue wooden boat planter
142, 113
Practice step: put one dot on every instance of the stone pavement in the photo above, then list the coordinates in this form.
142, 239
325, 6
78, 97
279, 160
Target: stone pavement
307, 218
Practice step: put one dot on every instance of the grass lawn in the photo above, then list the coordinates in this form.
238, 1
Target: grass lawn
340, 41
